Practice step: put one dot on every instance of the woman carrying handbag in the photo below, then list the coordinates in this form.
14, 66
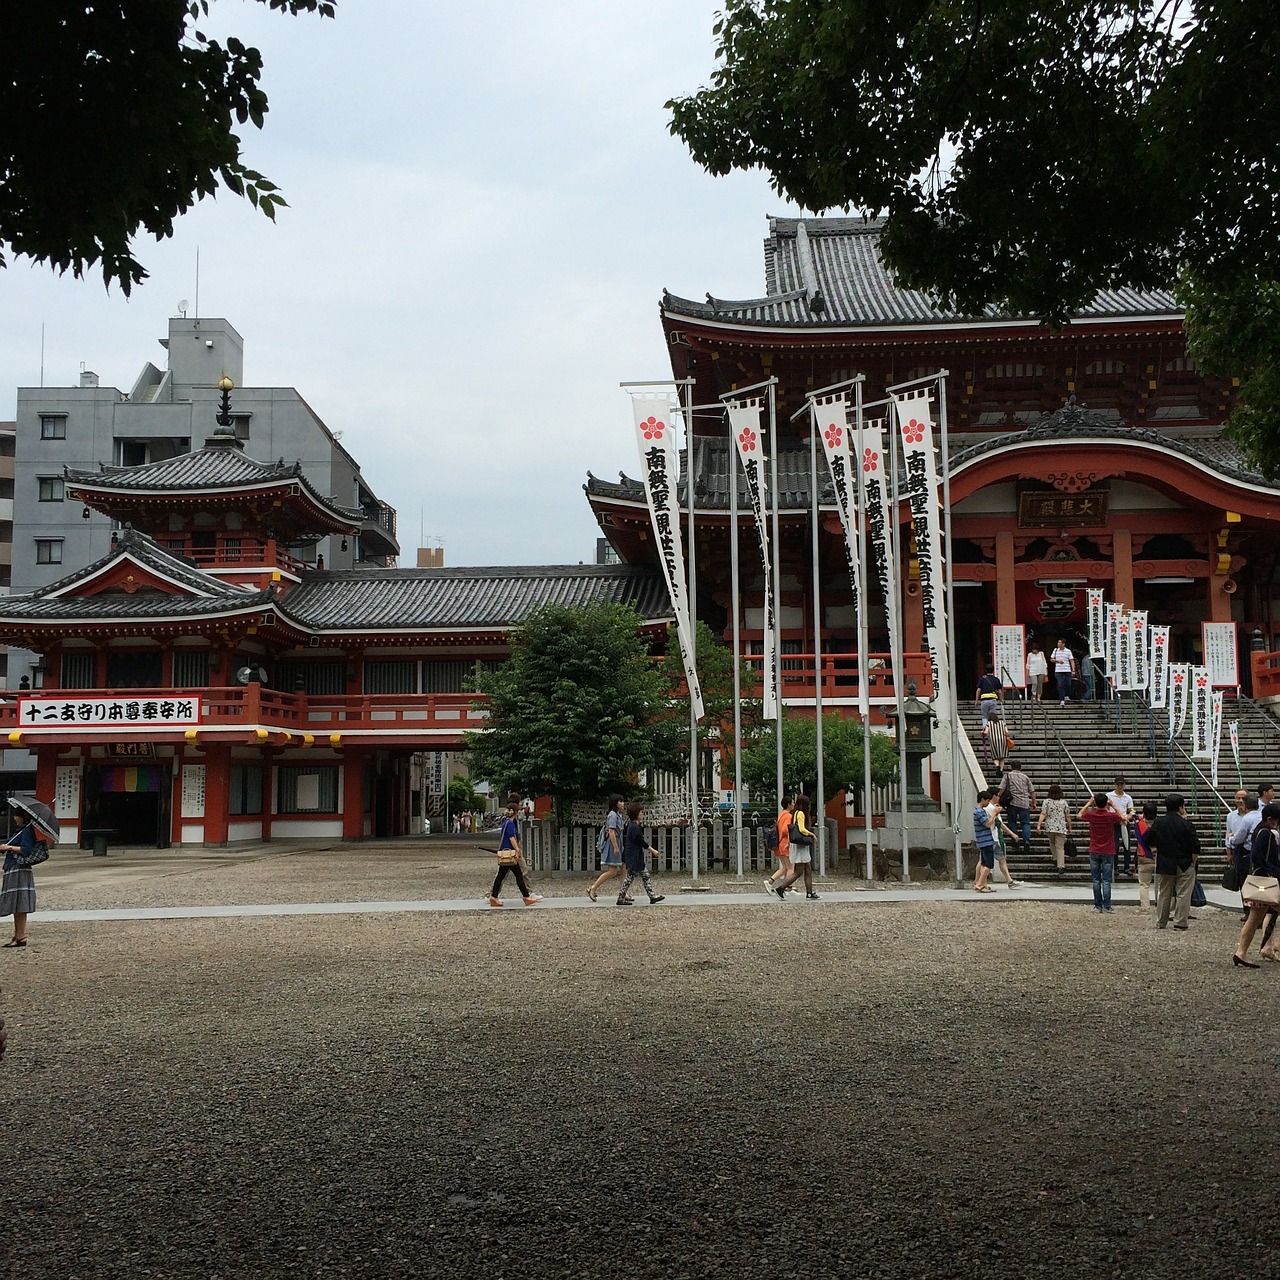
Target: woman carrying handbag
1261, 891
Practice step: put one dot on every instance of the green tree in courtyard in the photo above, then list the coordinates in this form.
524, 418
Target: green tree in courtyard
576, 711
841, 757
119, 117
462, 795
1027, 153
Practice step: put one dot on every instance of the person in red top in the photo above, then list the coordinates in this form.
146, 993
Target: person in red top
783, 851
1101, 817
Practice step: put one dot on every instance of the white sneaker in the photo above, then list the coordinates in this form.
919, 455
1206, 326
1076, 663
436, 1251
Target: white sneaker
794, 891
769, 886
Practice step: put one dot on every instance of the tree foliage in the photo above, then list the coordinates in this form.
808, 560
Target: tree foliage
842, 757
119, 117
1026, 153
575, 712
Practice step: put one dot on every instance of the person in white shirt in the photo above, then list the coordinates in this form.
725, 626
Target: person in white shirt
1037, 669
1064, 667
1122, 803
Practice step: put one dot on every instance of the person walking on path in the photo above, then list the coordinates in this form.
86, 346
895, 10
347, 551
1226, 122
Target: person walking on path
18, 890
1055, 822
801, 850
1122, 803
1064, 670
1003, 834
783, 851
1037, 669
1146, 855
989, 694
1020, 799
634, 850
1264, 860
509, 858
1101, 819
984, 824
1176, 846
615, 824
1240, 828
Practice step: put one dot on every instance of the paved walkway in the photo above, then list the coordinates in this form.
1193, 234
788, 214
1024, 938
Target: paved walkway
1123, 895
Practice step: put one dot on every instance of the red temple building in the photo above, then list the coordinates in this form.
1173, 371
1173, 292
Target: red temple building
1088, 456
202, 684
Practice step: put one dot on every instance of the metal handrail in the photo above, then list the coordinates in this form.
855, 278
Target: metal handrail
1026, 709
1140, 698
1064, 750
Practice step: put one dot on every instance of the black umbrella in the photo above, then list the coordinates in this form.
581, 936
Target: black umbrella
40, 814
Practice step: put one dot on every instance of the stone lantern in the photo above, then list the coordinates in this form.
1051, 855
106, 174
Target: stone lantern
919, 720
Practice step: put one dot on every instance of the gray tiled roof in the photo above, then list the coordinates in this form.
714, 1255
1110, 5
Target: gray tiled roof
408, 599
828, 272
219, 466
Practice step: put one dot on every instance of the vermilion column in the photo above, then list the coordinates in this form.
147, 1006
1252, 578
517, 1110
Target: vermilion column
352, 793
1219, 599
1122, 558
217, 792
46, 773
1006, 583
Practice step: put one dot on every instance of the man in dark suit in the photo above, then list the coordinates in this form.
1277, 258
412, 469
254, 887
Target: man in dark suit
1176, 847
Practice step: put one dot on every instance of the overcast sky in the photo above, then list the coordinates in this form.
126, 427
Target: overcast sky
485, 206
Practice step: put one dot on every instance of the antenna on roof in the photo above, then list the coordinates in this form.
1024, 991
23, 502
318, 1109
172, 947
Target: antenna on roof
182, 308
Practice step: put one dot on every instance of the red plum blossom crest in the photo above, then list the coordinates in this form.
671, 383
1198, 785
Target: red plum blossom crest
652, 428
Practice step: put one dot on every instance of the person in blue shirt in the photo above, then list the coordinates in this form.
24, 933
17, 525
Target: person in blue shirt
510, 858
18, 891
984, 823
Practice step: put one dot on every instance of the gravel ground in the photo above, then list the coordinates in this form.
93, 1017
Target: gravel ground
759, 1090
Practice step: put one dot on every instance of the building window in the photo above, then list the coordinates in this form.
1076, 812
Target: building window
315, 679
51, 489
308, 788
79, 670
246, 789
53, 426
48, 551
1014, 372
140, 670
191, 670
391, 677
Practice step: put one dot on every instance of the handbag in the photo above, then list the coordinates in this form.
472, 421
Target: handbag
1233, 877
38, 854
508, 858
1261, 891
1070, 848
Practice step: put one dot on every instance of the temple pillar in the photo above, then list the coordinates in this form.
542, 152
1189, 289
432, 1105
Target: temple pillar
1219, 598
1122, 559
1006, 583
352, 793
46, 773
217, 792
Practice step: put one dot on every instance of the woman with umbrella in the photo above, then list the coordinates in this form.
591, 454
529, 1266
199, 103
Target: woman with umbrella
18, 890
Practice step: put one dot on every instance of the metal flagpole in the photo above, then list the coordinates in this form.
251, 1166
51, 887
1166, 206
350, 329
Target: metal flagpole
899, 680
951, 629
819, 800
690, 485
864, 639
777, 582
734, 598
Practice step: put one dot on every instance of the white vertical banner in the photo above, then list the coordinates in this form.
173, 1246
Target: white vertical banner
831, 418
1159, 679
1216, 736
915, 428
1141, 649
1111, 639
1234, 730
870, 455
1201, 714
656, 436
1179, 696
1124, 652
1097, 621
435, 773
744, 427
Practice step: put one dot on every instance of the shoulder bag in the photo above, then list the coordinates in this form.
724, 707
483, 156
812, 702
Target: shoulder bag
39, 853
1261, 891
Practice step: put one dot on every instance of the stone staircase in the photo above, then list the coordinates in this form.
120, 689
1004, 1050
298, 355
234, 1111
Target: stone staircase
1101, 740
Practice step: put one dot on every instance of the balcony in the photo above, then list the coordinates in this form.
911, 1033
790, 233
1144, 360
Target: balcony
251, 714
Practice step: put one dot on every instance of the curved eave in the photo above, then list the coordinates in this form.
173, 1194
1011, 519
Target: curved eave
295, 497
727, 322
15, 629
1148, 460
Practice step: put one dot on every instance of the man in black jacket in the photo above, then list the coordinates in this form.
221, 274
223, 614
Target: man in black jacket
1177, 847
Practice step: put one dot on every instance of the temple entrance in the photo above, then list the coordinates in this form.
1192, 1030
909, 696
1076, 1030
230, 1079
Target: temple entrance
131, 803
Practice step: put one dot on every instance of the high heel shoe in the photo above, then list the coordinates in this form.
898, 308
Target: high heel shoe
17, 942
1243, 964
